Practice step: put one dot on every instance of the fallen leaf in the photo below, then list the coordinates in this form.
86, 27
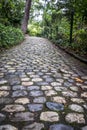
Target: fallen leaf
79, 80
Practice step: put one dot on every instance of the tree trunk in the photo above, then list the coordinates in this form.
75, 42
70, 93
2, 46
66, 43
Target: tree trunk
26, 16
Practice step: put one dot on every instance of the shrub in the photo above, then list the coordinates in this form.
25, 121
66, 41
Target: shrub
34, 29
10, 36
80, 41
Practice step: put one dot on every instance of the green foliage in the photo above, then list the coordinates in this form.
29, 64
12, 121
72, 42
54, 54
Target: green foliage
11, 12
64, 29
34, 29
10, 36
56, 16
80, 41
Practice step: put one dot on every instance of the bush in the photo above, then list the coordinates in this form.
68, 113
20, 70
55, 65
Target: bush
80, 41
10, 36
34, 29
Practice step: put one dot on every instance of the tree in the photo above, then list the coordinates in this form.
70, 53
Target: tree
11, 12
26, 16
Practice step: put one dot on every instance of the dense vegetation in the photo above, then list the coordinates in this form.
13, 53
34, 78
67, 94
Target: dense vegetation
10, 36
11, 13
56, 22
62, 21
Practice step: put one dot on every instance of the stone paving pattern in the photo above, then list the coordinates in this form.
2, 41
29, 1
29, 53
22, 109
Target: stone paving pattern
41, 88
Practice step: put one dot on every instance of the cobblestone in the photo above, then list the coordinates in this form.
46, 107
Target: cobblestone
55, 106
60, 127
75, 117
49, 116
13, 108
2, 117
76, 108
35, 107
59, 99
23, 116
8, 127
22, 100
37, 81
4, 93
34, 126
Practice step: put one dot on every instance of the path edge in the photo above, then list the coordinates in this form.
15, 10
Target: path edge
72, 54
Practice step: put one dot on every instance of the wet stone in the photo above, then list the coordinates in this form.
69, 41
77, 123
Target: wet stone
49, 80
84, 87
5, 100
34, 126
33, 88
37, 79
67, 84
18, 87
84, 77
3, 82
60, 80
14, 81
85, 82
19, 93
60, 88
46, 76
36, 93
55, 106
64, 71
12, 71
78, 84
25, 79
84, 95
13, 108
73, 88
84, 128
5, 88
71, 80
2, 117
40, 73
7, 127
27, 83
58, 75
22, 100
39, 100
46, 87
66, 75
4, 93
56, 84
60, 127
1, 74
76, 108
59, 99
30, 73
35, 107
65, 78
75, 117
43, 70
77, 100
42, 83
85, 106
22, 116
69, 94
49, 116
50, 93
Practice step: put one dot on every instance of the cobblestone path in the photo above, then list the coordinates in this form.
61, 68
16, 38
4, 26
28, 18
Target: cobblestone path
42, 88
